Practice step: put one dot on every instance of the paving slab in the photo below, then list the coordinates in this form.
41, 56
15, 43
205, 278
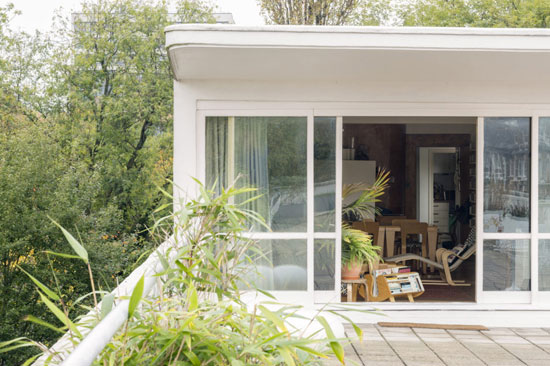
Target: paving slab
439, 347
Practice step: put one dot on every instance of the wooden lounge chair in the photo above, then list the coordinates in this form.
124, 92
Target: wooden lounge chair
447, 262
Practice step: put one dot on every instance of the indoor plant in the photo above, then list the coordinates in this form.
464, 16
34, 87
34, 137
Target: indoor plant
357, 246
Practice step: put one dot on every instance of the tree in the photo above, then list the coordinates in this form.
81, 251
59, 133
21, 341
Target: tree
478, 13
85, 138
323, 12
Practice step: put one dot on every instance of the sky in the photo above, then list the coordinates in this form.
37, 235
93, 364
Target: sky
38, 14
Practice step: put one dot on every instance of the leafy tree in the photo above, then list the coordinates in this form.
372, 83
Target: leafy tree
85, 138
478, 13
323, 12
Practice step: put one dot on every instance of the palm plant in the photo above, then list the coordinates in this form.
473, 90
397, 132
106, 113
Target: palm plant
357, 247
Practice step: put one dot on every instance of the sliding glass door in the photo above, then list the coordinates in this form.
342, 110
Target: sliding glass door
515, 217
291, 161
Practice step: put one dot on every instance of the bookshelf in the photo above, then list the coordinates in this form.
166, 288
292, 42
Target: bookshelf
390, 286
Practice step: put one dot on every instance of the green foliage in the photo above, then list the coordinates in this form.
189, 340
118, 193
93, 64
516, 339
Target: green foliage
85, 138
325, 12
364, 205
478, 13
357, 247
356, 244
198, 316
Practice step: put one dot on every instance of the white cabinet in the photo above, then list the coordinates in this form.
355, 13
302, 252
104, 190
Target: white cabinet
440, 216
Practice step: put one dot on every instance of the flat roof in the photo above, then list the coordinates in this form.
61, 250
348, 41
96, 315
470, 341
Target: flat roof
193, 49
358, 37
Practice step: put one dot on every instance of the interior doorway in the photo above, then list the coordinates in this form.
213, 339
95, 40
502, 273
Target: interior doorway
431, 161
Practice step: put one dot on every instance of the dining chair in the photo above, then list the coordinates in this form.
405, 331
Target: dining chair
370, 227
410, 228
388, 220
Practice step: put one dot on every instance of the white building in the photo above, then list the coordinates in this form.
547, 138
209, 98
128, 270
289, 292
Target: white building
271, 103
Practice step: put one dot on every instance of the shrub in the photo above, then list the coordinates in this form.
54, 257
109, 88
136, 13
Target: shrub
199, 316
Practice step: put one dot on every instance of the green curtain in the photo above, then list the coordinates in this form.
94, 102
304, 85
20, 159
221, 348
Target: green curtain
251, 163
216, 152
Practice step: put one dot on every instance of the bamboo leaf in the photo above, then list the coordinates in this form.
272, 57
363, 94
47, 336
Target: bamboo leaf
59, 314
358, 330
193, 358
52, 295
192, 297
289, 360
273, 317
43, 323
64, 255
107, 305
78, 249
334, 345
136, 296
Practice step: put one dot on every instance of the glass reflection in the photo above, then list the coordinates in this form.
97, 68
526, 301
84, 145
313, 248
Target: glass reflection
324, 264
325, 173
506, 265
544, 175
267, 153
283, 265
506, 175
544, 265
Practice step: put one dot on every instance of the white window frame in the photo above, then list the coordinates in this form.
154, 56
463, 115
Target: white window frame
309, 235
501, 300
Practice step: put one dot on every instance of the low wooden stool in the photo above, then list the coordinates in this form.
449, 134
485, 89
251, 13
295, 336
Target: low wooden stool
352, 288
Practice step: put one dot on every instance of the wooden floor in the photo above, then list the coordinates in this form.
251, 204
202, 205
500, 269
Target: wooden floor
438, 347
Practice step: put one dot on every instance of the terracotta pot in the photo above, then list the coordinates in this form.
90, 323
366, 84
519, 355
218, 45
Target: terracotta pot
351, 271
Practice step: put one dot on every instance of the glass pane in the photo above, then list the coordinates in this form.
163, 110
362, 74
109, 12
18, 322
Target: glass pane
325, 173
544, 265
324, 264
544, 175
284, 266
268, 153
506, 265
506, 175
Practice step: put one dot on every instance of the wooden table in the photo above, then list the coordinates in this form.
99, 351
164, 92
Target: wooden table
351, 288
389, 233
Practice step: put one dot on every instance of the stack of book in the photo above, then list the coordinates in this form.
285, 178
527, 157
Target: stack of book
404, 283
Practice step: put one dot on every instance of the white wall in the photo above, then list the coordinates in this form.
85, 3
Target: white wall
344, 98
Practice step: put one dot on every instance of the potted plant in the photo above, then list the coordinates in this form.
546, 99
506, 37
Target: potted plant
357, 246
357, 249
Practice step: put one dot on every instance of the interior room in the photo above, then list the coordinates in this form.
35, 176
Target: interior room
427, 210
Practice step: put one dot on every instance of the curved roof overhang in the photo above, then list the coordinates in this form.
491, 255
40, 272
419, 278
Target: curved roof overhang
301, 53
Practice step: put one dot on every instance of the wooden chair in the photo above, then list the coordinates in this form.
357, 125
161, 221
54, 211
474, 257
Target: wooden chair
388, 220
442, 264
411, 227
370, 227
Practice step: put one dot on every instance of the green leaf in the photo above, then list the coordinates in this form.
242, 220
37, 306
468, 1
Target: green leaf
107, 305
64, 255
273, 317
358, 330
334, 345
78, 249
59, 314
52, 295
31, 360
289, 360
193, 358
43, 323
192, 298
136, 296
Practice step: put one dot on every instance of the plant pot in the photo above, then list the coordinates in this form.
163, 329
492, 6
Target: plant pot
351, 271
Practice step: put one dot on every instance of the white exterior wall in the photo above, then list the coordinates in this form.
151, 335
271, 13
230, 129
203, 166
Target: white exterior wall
346, 99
